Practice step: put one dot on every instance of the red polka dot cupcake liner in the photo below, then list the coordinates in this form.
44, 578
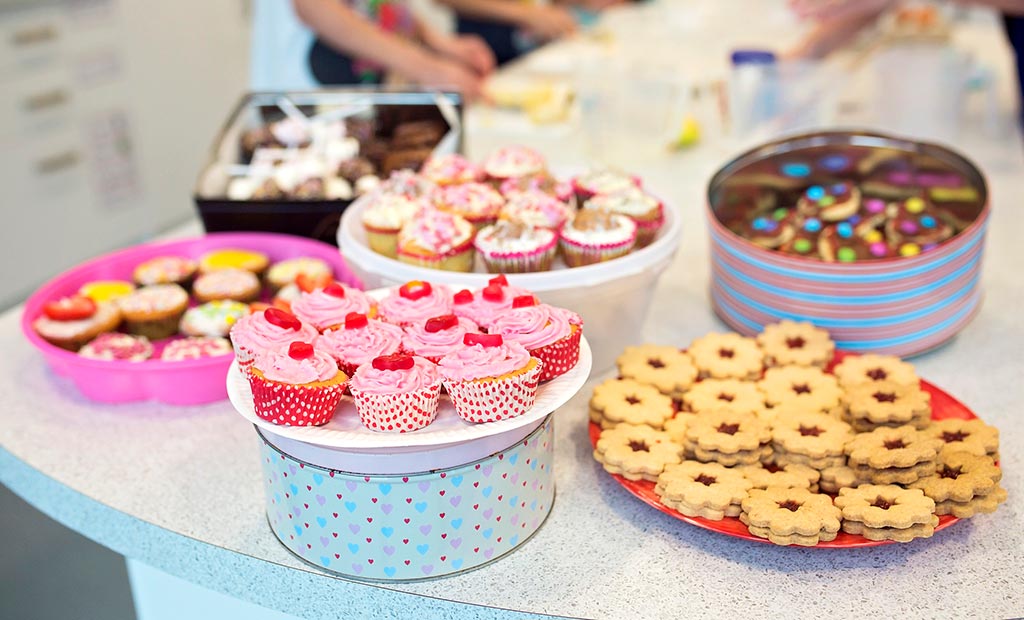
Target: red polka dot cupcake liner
295, 405
398, 413
245, 357
560, 356
490, 400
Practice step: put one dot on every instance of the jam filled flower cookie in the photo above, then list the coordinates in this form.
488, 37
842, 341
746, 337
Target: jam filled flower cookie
801, 388
790, 516
723, 394
772, 474
963, 485
855, 370
625, 401
810, 438
887, 512
728, 438
725, 356
665, 367
973, 436
706, 490
636, 452
789, 343
898, 455
884, 403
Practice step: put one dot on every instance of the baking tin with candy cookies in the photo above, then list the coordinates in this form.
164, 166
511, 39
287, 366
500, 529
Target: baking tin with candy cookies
875, 238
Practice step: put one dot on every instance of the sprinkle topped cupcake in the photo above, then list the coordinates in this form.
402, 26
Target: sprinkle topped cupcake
437, 336
594, 236
214, 318
165, 270
236, 284
514, 247
490, 379
604, 181
536, 209
327, 308
268, 329
359, 340
409, 184
415, 301
437, 240
154, 311
195, 347
543, 183
284, 272
451, 169
118, 347
477, 202
513, 161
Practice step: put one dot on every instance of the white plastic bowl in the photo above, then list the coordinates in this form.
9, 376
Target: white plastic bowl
613, 297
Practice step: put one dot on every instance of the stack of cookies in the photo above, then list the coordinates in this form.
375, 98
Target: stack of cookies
887, 512
731, 419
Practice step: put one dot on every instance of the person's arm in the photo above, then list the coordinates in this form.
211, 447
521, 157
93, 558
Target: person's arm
350, 33
468, 49
544, 21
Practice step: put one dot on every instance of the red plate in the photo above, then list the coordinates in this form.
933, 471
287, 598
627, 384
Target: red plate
943, 406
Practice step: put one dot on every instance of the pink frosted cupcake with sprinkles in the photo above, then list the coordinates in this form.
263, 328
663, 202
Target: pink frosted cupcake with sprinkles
359, 340
645, 210
490, 379
550, 334
268, 329
396, 393
514, 247
536, 209
194, 348
437, 240
543, 183
296, 385
451, 169
327, 308
594, 236
603, 181
415, 301
437, 336
488, 303
409, 184
510, 162
478, 203
114, 346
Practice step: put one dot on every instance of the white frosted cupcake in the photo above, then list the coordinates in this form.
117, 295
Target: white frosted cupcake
383, 216
514, 247
595, 236
645, 210
514, 161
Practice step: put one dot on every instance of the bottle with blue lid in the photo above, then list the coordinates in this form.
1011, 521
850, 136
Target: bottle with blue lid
753, 90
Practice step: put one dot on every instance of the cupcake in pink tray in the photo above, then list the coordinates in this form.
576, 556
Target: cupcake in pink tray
114, 346
594, 236
490, 379
603, 181
396, 393
543, 183
514, 161
327, 308
478, 203
437, 336
488, 303
537, 209
194, 348
359, 340
550, 334
415, 301
437, 240
296, 385
645, 210
511, 246
451, 169
267, 329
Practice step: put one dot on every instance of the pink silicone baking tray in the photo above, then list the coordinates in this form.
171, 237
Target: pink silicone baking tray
187, 382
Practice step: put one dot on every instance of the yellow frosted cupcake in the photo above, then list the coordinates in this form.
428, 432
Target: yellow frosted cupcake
230, 258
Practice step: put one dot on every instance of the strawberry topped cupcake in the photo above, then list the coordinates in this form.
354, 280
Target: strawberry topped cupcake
70, 322
438, 240
487, 304
645, 210
396, 393
296, 385
414, 302
514, 161
359, 340
490, 379
269, 329
451, 169
536, 209
327, 308
550, 334
437, 336
478, 203
543, 183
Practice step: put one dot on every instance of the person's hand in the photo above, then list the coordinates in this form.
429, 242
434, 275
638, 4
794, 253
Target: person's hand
470, 51
549, 22
440, 72
829, 10
597, 5
837, 22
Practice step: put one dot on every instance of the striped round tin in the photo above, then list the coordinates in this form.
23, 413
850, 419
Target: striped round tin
899, 306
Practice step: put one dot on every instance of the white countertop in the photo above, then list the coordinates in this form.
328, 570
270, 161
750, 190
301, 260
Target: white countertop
179, 487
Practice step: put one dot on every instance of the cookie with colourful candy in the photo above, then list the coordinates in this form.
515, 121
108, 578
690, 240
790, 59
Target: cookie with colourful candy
915, 226
832, 202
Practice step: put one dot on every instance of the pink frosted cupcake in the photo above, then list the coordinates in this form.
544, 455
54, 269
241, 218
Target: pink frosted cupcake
396, 393
478, 203
550, 334
437, 240
194, 348
514, 247
536, 209
297, 385
115, 346
409, 184
645, 210
595, 236
327, 308
543, 183
487, 304
604, 181
359, 340
437, 336
489, 379
451, 169
514, 161
415, 301
269, 329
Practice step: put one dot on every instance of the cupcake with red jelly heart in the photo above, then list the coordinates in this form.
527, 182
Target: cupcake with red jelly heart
70, 322
490, 379
488, 303
396, 393
415, 301
114, 346
437, 336
269, 329
550, 334
327, 308
296, 385
359, 340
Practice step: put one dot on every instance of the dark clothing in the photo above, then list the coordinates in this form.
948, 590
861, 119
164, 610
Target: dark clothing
332, 69
501, 38
1015, 34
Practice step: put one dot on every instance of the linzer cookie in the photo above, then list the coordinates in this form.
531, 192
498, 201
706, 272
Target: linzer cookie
887, 512
789, 343
884, 403
728, 438
667, 368
898, 455
772, 474
790, 516
810, 438
963, 485
837, 477
973, 436
725, 395
858, 369
727, 356
625, 401
706, 490
636, 452
801, 388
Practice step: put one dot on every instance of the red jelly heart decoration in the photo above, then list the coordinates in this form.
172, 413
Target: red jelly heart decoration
523, 301
463, 297
398, 361
415, 289
499, 279
354, 320
335, 289
73, 308
300, 350
284, 320
494, 292
484, 340
438, 323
